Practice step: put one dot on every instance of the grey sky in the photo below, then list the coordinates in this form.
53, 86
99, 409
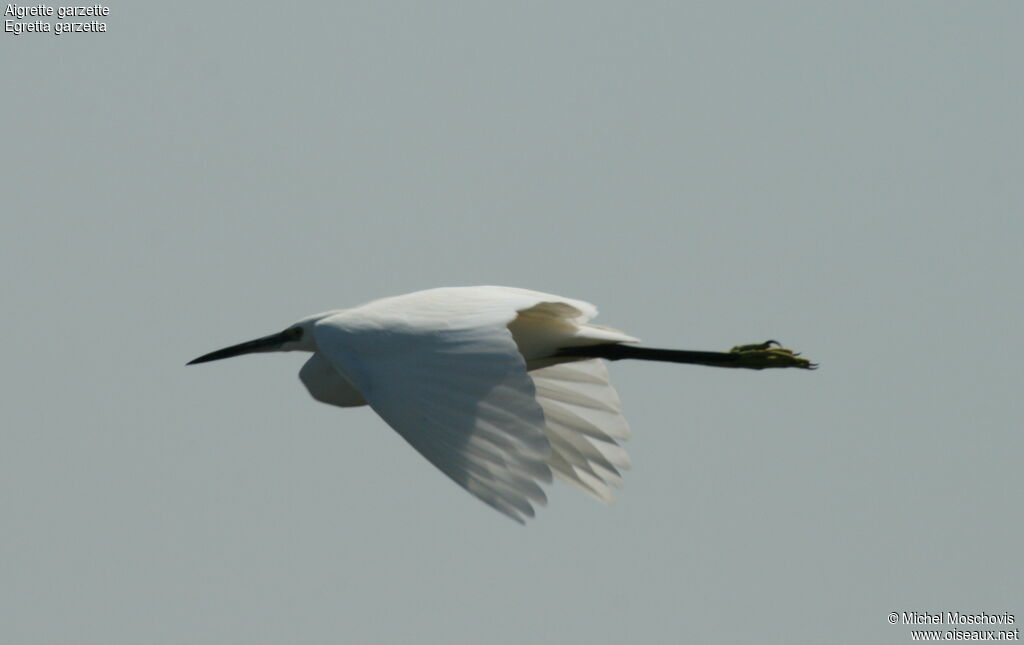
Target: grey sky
846, 179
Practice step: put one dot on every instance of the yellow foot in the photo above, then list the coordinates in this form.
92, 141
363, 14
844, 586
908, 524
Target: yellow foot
770, 353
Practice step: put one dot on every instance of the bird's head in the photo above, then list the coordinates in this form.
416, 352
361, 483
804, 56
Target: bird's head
297, 337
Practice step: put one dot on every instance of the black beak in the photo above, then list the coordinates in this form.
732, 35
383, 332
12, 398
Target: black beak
265, 344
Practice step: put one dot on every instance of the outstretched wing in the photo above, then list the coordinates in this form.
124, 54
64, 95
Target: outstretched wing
442, 369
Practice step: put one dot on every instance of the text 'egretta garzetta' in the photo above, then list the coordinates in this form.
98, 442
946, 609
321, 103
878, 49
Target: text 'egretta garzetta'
498, 387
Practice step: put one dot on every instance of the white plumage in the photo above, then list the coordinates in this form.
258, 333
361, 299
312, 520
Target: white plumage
498, 387
448, 370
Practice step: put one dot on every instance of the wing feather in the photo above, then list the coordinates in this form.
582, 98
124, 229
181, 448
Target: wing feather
583, 421
448, 370
458, 393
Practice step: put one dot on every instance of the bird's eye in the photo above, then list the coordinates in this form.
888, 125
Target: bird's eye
293, 333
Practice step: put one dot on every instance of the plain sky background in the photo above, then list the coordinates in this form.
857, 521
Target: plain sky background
845, 178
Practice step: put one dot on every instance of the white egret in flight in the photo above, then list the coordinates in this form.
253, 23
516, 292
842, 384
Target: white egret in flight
498, 387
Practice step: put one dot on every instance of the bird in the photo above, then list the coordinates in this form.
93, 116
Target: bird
500, 388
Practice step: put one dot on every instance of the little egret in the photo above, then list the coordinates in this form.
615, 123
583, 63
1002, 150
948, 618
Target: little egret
498, 387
